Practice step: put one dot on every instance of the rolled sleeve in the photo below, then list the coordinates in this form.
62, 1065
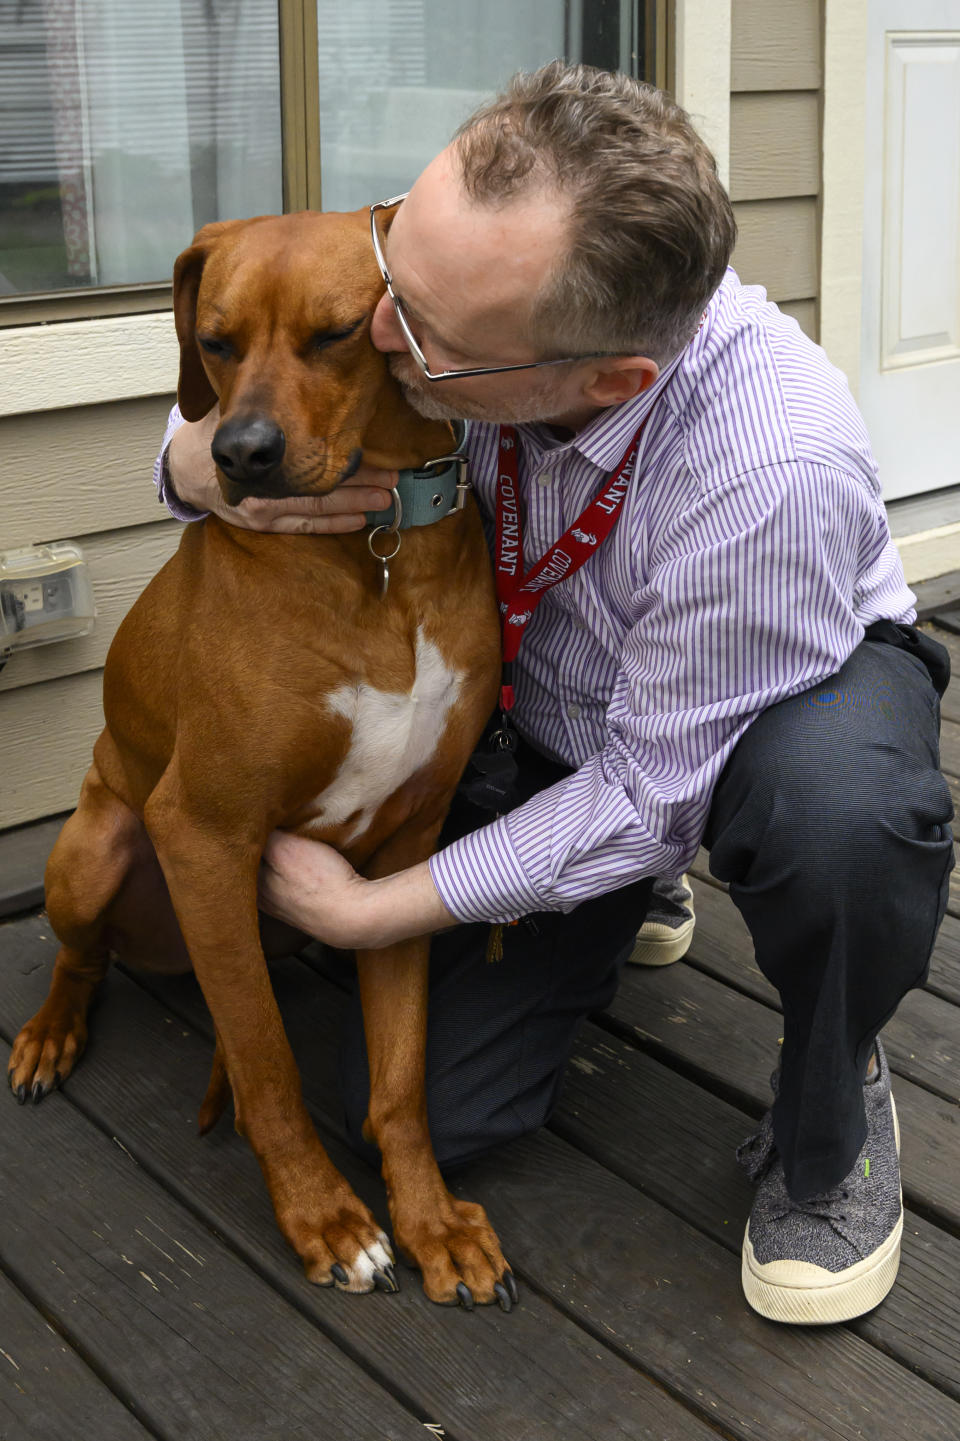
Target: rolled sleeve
481, 877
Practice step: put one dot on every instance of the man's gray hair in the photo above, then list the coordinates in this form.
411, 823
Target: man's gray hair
651, 228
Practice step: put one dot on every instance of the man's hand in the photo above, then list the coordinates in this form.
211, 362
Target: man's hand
310, 886
194, 477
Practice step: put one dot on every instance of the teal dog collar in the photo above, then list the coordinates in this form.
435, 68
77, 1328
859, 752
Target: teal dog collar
420, 497
424, 496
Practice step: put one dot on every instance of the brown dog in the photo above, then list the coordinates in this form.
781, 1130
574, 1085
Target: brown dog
261, 681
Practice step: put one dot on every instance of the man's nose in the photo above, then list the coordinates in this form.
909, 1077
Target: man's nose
385, 329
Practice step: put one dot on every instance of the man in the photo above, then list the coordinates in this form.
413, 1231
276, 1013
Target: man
705, 675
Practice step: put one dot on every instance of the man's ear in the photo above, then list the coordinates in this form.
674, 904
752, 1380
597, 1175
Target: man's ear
195, 395
614, 381
397, 438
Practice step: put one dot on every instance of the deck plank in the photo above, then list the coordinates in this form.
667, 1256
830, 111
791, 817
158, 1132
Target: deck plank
647, 1284
692, 1325
686, 1161
159, 1304
47, 1393
485, 1377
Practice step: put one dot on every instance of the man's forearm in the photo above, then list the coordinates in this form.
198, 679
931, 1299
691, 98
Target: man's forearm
402, 906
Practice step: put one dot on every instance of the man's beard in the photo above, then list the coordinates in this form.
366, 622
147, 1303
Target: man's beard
541, 403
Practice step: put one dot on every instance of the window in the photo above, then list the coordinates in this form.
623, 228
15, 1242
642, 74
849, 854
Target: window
398, 76
125, 127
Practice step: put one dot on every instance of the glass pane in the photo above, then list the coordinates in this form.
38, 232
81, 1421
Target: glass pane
398, 76
125, 127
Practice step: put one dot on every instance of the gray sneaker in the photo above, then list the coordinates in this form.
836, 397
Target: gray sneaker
835, 1256
667, 931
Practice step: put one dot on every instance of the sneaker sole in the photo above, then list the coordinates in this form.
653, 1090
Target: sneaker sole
802, 1294
662, 950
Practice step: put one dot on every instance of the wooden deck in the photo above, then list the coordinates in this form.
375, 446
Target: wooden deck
145, 1291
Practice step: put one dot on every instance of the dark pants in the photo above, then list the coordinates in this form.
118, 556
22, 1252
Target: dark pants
830, 822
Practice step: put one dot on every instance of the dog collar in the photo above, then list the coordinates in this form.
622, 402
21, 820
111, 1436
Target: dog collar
424, 496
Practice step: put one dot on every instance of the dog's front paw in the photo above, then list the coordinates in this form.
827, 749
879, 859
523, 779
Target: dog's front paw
458, 1253
340, 1244
46, 1050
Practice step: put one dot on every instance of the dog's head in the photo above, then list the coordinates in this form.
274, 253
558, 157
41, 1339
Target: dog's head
273, 318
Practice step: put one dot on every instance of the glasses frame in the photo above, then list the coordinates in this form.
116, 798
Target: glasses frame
412, 343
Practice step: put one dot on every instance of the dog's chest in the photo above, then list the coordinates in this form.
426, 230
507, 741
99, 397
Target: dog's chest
393, 735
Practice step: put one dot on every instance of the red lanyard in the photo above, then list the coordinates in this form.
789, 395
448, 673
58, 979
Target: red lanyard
519, 594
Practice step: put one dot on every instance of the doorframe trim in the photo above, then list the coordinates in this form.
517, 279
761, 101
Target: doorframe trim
841, 204
702, 35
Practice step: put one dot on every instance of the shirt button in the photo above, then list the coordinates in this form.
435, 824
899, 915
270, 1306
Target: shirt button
573, 710
545, 477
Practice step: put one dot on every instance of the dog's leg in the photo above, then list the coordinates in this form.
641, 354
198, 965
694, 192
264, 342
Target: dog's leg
450, 1240
213, 885
86, 869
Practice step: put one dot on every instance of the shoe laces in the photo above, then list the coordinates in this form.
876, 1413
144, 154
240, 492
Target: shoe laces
759, 1152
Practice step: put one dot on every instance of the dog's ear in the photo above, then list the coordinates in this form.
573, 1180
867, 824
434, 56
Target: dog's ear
195, 395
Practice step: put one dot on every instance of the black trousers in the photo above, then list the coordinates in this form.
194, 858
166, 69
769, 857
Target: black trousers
830, 822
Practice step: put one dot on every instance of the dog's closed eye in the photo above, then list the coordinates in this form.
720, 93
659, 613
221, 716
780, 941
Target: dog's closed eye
220, 348
322, 338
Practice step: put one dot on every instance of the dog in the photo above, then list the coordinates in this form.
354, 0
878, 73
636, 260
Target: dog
264, 681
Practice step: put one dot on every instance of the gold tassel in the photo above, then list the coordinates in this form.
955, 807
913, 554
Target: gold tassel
495, 943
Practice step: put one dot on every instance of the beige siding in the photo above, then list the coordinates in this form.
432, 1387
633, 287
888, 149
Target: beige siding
776, 45
80, 473
48, 734
775, 166
777, 247
774, 145
75, 471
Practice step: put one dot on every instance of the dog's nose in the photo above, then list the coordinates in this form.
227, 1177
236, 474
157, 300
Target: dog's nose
248, 448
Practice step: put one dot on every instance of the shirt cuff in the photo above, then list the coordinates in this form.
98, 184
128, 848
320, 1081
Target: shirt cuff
166, 494
479, 877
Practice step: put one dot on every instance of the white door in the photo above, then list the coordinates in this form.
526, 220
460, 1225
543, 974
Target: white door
910, 340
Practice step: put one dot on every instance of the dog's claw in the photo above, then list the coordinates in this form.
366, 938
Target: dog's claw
38, 1092
337, 1271
57, 1080
391, 1275
501, 1294
465, 1296
21, 1094
510, 1281
384, 1282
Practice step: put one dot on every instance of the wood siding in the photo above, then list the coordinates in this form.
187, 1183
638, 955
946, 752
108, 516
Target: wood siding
776, 75
80, 473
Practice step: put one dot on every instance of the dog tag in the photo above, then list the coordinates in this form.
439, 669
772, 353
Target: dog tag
388, 530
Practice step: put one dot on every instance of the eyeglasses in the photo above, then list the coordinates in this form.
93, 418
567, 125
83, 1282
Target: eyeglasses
412, 342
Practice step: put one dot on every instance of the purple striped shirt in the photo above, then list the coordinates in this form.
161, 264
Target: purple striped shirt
751, 551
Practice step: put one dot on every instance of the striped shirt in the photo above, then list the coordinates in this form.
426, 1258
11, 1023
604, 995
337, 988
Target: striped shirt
750, 553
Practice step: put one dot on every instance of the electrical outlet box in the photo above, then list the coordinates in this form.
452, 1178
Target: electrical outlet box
45, 596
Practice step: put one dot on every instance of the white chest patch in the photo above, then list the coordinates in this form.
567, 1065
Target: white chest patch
394, 734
